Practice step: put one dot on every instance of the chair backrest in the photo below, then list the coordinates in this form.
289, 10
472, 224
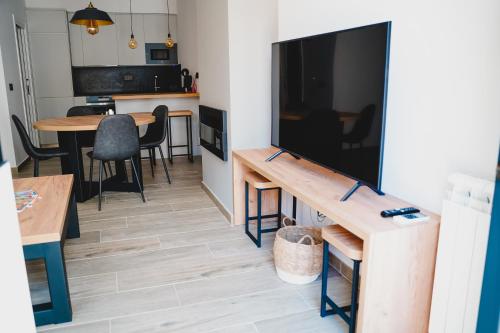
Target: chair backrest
29, 148
80, 111
157, 131
361, 128
116, 138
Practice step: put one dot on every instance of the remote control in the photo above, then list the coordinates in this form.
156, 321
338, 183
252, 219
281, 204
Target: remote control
399, 211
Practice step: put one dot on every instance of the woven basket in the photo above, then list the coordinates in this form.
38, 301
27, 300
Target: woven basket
298, 254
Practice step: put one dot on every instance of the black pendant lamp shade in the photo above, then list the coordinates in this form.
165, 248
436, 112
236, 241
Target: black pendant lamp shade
91, 17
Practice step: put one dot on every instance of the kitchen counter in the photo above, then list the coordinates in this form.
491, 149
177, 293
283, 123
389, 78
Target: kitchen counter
154, 96
147, 102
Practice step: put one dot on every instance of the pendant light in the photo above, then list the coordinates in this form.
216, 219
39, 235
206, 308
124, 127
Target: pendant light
170, 42
132, 43
92, 18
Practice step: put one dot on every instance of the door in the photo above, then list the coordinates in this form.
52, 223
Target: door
27, 84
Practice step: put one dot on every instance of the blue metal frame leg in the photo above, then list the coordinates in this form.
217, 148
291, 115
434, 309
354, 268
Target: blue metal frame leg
59, 309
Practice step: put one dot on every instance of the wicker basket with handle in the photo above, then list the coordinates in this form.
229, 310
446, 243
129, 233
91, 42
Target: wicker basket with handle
298, 254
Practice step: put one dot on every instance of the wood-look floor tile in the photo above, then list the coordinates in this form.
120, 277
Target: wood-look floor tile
115, 223
135, 261
96, 327
193, 269
214, 315
304, 322
123, 303
247, 328
201, 236
338, 288
228, 286
243, 245
89, 237
96, 250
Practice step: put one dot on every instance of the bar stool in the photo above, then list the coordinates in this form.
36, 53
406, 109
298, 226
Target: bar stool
352, 247
260, 184
187, 114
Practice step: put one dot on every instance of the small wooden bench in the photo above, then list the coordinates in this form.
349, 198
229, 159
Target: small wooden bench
52, 218
352, 247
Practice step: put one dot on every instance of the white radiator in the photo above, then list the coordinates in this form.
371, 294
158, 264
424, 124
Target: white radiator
463, 239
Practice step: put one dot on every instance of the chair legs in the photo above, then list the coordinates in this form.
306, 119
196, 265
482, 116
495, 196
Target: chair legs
137, 179
100, 183
151, 162
36, 170
164, 164
90, 175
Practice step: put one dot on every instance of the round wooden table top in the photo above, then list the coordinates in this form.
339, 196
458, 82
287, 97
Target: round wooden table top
85, 123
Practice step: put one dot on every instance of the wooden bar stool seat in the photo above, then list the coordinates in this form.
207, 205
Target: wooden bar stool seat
260, 184
352, 247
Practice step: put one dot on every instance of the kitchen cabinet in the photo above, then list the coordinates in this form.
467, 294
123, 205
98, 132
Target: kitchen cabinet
156, 28
126, 55
101, 49
76, 44
51, 64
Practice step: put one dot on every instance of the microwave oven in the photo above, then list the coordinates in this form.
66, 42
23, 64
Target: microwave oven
159, 54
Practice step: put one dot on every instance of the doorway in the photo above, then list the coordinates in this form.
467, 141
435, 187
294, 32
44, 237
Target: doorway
30, 113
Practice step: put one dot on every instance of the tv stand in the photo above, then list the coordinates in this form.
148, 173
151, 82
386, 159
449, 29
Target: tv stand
278, 153
354, 189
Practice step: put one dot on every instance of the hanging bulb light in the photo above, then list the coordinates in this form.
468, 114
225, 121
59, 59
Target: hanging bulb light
132, 43
92, 18
170, 41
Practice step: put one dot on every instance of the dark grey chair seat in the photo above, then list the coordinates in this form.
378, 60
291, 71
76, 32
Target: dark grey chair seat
36, 153
155, 136
116, 139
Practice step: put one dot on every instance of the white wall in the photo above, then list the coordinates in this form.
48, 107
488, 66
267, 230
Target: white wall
253, 27
187, 32
116, 6
443, 111
11, 144
213, 58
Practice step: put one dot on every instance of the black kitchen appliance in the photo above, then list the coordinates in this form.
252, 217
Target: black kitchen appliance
159, 53
213, 131
101, 104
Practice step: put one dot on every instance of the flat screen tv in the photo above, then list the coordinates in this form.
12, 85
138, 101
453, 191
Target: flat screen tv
329, 99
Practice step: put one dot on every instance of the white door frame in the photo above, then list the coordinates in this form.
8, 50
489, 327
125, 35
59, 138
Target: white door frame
26, 79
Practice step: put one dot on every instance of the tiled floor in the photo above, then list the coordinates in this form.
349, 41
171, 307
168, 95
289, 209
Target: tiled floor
174, 264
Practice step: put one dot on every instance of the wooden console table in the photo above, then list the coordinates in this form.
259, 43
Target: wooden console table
398, 261
44, 227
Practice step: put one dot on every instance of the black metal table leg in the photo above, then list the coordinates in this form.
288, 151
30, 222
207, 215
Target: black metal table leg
73, 163
169, 140
190, 139
72, 219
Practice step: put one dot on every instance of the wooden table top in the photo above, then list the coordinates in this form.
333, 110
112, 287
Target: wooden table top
154, 95
44, 222
180, 113
321, 189
85, 123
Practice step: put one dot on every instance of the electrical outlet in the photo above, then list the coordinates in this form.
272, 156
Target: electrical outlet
320, 217
11, 87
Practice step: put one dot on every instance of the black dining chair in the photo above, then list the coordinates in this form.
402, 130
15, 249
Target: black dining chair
155, 136
86, 139
37, 154
116, 139
361, 128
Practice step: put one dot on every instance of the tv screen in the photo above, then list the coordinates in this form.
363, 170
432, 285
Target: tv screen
328, 99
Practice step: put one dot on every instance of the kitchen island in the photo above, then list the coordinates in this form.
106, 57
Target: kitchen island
146, 102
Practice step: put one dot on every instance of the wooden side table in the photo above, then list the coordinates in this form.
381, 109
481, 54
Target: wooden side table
187, 114
44, 227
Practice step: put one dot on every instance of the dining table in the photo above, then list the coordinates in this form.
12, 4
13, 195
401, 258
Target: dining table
69, 130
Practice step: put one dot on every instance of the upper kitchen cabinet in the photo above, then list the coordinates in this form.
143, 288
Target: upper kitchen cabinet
47, 21
126, 55
76, 42
101, 49
50, 54
156, 29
